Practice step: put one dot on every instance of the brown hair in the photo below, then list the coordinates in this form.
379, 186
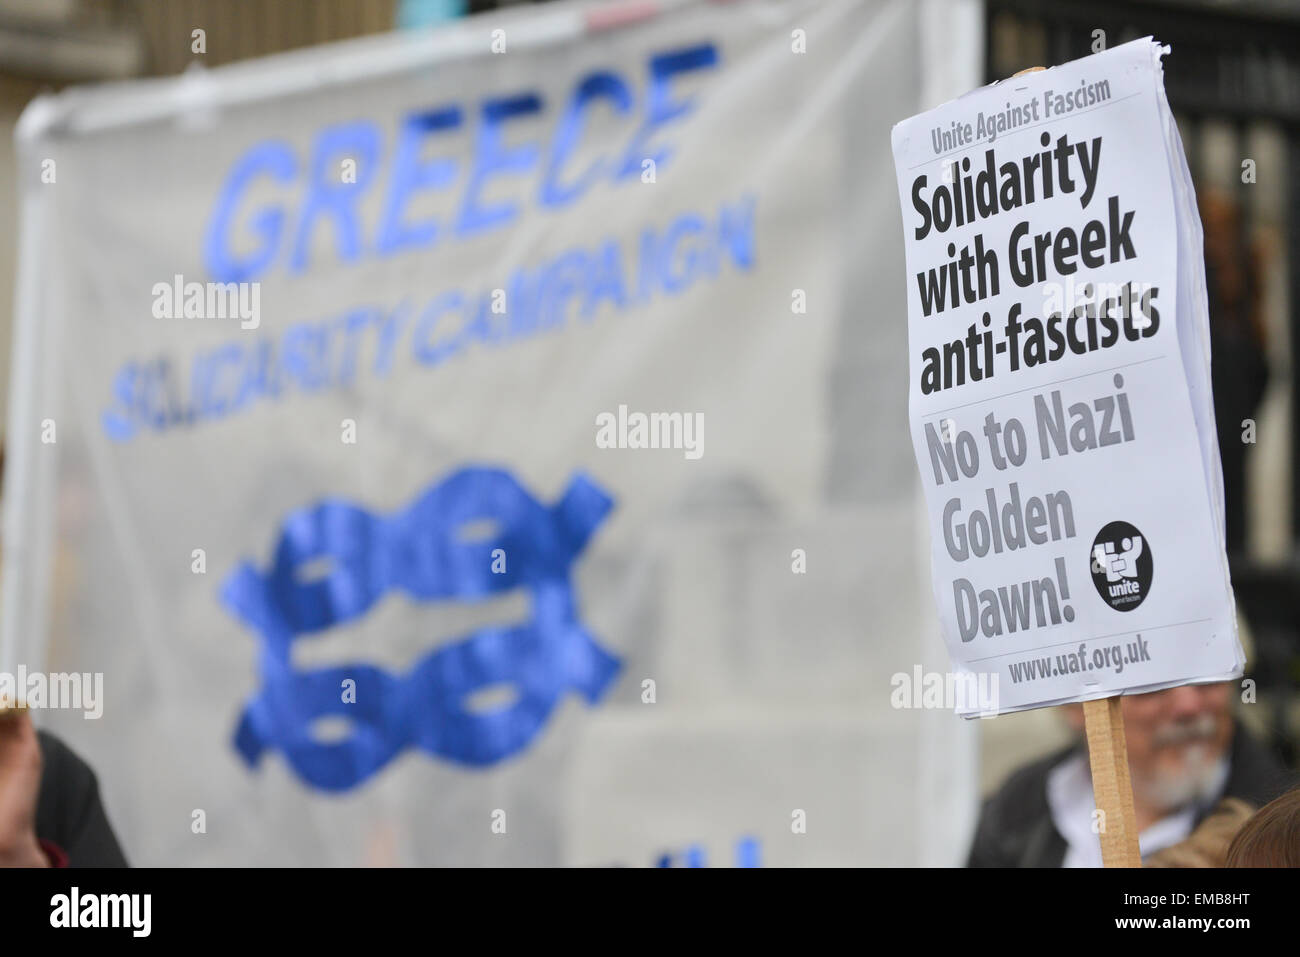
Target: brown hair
1271, 838
1207, 846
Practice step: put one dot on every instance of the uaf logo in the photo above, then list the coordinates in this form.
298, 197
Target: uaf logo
417, 551
1121, 566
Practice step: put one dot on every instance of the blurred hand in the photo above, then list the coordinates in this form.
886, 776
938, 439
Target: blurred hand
20, 782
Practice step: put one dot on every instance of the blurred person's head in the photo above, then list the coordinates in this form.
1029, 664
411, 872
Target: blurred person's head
1271, 838
1178, 743
1234, 266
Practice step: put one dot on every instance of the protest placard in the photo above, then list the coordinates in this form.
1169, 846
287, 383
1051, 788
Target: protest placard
1059, 391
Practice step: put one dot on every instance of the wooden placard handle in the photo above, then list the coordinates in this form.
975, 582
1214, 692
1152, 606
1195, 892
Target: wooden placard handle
1112, 790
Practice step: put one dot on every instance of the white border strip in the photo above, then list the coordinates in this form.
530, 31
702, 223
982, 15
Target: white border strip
88, 110
26, 573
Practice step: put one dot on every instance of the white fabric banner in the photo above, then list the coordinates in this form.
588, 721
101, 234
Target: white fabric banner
487, 446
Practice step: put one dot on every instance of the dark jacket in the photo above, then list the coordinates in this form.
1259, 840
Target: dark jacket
1015, 826
68, 809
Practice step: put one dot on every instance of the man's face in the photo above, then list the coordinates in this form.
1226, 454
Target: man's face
1177, 739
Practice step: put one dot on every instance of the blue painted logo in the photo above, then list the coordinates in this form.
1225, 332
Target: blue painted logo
418, 551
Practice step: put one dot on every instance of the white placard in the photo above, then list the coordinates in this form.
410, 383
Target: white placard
1058, 372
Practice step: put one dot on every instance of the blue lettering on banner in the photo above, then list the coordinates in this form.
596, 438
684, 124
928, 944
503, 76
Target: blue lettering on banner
418, 552
609, 86
270, 158
747, 854
491, 157
311, 356
661, 108
509, 162
409, 175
